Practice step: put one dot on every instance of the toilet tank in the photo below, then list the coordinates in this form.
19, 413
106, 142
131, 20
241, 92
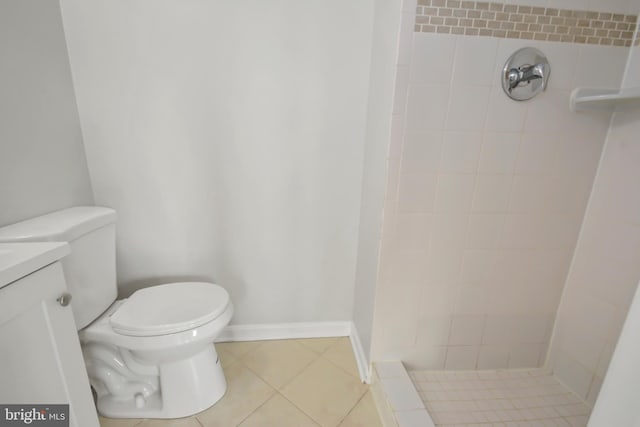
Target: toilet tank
90, 269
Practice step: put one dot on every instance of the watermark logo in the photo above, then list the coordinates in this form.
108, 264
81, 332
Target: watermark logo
34, 415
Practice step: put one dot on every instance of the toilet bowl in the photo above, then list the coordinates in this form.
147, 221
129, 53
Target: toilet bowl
147, 356
151, 355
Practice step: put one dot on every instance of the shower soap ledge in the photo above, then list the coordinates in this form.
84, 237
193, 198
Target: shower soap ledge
583, 99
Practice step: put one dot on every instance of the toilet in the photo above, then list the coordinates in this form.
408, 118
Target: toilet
147, 356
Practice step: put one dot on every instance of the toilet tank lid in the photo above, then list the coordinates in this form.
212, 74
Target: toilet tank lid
60, 226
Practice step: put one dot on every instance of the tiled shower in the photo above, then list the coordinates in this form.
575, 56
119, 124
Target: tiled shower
510, 228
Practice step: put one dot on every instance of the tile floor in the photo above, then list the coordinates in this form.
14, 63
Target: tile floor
296, 383
509, 398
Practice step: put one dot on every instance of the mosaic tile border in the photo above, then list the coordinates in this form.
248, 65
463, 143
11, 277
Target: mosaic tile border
476, 18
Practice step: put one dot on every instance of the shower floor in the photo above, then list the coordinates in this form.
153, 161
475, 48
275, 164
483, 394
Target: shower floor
504, 398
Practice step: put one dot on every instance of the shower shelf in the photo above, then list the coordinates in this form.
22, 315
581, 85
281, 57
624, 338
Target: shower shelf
583, 99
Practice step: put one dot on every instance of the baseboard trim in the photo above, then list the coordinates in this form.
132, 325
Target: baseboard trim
283, 331
364, 368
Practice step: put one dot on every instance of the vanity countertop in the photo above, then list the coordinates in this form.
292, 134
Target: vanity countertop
20, 259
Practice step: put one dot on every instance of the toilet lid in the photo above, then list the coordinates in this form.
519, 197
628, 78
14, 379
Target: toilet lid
167, 309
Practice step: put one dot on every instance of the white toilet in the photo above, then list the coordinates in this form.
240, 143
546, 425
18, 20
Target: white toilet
147, 356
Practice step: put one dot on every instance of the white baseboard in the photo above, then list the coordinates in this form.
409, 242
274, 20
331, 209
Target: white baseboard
283, 331
364, 368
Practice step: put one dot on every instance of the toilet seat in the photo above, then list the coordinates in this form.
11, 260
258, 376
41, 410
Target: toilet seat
168, 309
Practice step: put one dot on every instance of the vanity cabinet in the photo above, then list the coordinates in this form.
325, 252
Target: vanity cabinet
40, 357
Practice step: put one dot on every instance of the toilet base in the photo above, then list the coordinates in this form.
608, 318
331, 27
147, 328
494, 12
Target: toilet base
187, 387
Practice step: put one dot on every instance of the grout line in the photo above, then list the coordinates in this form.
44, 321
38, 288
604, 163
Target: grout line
288, 381
298, 374
502, 382
256, 409
317, 357
354, 406
261, 379
340, 367
299, 408
319, 353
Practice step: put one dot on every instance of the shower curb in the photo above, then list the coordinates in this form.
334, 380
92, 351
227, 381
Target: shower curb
397, 400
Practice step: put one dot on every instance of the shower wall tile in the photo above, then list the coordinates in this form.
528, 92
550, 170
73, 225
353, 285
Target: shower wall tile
499, 149
421, 154
538, 153
564, 56
461, 357
466, 330
467, 107
432, 60
416, 193
460, 152
492, 193
474, 59
472, 298
434, 330
586, 74
503, 115
426, 107
605, 270
525, 356
493, 357
490, 197
484, 230
454, 193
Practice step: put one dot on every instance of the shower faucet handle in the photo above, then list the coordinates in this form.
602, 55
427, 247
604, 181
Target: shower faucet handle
526, 73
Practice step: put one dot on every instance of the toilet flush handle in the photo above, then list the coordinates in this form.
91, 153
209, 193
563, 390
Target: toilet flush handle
64, 299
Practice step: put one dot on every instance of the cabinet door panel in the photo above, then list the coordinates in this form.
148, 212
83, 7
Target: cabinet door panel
30, 372
40, 357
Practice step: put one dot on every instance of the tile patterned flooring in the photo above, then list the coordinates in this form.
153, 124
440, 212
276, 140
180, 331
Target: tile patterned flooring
509, 398
282, 383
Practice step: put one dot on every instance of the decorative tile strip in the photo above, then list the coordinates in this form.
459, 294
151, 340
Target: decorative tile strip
475, 18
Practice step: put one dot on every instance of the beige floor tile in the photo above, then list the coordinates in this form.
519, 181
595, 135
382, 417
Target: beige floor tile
245, 392
364, 414
278, 412
118, 422
319, 345
178, 422
325, 392
226, 358
341, 353
239, 349
278, 362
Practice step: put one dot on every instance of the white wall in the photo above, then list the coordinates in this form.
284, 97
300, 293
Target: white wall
42, 162
606, 265
386, 26
486, 198
229, 137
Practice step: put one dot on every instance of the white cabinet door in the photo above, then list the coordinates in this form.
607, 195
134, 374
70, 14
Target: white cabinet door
40, 357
